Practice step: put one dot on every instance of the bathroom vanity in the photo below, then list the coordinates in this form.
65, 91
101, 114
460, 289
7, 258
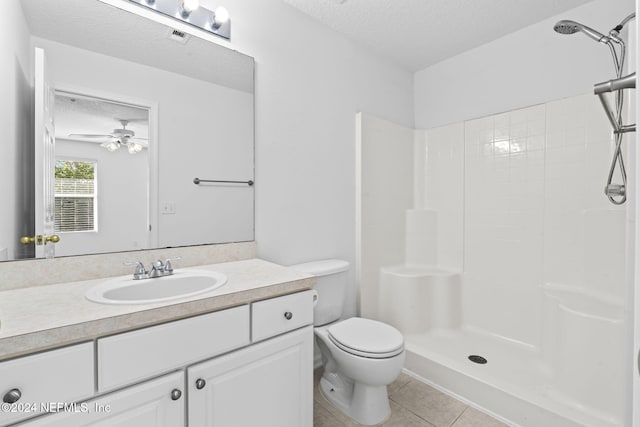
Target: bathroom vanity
238, 356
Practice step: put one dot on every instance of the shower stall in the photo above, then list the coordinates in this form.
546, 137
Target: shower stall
490, 245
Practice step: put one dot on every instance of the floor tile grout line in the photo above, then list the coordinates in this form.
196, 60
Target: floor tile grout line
411, 412
459, 416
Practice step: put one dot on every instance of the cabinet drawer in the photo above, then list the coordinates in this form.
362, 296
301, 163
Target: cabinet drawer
133, 356
278, 315
65, 375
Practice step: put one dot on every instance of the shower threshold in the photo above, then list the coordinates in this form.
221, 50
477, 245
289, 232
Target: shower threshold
515, 385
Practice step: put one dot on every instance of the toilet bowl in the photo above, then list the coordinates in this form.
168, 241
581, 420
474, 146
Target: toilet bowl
360, 356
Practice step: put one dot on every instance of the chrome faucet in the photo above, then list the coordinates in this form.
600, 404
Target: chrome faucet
159, 268
140, 272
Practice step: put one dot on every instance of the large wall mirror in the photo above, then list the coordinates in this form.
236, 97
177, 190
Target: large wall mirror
106, 132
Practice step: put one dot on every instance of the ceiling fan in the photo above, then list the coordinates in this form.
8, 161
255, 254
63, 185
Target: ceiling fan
118, 138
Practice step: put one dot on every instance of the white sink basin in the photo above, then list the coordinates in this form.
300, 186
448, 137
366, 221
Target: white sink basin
182, 284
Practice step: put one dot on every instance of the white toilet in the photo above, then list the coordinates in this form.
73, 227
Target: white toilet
360, 356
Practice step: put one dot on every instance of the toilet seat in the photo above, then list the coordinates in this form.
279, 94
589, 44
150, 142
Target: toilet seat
366, 338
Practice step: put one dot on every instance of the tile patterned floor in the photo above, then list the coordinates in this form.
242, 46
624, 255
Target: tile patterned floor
413, 404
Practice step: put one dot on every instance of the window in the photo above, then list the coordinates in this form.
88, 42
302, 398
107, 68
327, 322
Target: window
75, 196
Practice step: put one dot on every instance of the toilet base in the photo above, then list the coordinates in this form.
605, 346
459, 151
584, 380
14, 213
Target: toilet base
367, 405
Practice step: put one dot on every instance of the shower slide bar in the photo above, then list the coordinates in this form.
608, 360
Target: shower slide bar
616, 193
198, 181
600, 89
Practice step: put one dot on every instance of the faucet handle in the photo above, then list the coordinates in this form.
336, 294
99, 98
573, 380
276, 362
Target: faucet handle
168, 268
157, 268
140, 272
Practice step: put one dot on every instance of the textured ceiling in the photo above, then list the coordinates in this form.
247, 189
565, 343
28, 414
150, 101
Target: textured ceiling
418, 33
83, 115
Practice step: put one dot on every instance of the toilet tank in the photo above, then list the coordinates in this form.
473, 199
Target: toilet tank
331, 285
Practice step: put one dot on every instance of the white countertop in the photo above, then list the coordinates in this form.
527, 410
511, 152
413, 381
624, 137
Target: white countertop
42, 317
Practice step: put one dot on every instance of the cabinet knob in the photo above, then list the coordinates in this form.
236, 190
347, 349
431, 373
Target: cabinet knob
175, 394
200, 383
288, 315
12, 396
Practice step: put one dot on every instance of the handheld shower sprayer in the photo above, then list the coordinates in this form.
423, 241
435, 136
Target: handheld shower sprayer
616, 193
571, 27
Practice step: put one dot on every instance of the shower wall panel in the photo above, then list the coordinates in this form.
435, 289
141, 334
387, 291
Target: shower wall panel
504, 206
385, 183
532, 210
584, 232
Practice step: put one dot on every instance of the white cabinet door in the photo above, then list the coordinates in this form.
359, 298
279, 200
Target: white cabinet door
156, 403
269, 384
62, 375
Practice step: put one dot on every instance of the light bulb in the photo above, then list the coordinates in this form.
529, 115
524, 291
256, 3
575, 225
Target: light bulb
220, 16
189, 6
134, 148
112, 146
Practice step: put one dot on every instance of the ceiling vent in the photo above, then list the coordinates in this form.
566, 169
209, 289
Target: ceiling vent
179, 36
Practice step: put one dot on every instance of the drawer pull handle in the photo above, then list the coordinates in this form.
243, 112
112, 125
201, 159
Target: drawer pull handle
200, 383
12, 396
176, 394
288, 315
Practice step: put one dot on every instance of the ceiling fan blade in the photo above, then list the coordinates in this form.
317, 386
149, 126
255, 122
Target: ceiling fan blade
132, 120
88, 135
138, 139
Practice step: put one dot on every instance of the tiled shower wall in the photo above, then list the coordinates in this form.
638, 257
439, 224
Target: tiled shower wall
439, 183
525, 190
504, 211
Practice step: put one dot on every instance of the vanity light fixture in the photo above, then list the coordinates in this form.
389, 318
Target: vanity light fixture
189, 11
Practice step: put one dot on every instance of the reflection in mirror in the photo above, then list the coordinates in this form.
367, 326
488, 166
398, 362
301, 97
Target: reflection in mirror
198, 97
101, 175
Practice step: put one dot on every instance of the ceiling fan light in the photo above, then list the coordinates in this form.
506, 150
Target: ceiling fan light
111, 146
134, 148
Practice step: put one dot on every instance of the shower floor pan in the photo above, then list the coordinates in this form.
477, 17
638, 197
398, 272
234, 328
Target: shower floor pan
514, 385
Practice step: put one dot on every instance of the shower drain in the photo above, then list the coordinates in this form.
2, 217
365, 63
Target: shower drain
477, 359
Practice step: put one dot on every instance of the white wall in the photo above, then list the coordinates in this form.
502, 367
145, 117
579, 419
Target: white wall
310, 83
122, 189
204, 131
15, 147
528, 67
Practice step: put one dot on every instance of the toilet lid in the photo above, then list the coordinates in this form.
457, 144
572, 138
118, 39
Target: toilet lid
366, 337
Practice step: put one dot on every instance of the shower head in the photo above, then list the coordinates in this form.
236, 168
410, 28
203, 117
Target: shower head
569, 27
